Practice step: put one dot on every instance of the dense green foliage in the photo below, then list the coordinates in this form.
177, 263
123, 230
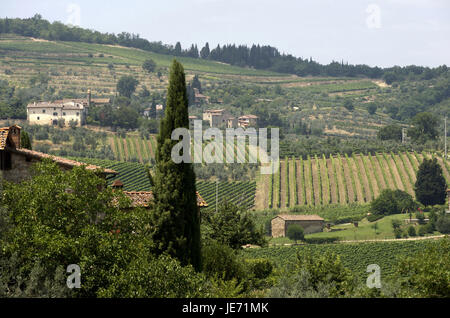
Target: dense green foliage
430, 185
232, 226
295, 232
392, 202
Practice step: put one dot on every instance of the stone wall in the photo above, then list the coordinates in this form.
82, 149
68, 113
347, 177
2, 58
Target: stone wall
309, 227
280, 226
20, 169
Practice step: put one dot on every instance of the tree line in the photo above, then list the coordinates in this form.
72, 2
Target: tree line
260, 57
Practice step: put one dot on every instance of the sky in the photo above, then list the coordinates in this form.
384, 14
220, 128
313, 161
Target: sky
376, 32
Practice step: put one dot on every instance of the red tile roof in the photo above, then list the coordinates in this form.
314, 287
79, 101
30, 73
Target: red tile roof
3, 137
59, 160
143, 198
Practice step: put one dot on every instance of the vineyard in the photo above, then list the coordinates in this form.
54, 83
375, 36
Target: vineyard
134, 177
341, 179
354, 256
133, 148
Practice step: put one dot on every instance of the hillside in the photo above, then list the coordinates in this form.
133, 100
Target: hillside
78, 66
341, 179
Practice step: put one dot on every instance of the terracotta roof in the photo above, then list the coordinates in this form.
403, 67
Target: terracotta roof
3, 137
291, 217
143, 198
66, 105
117, 183
59, 160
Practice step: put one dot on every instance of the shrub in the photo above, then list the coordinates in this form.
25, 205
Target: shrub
443, 224
392, 201
396, 224
221, 261
422, 230
411, 230
295, 232
397, 232
321, 240
374, 217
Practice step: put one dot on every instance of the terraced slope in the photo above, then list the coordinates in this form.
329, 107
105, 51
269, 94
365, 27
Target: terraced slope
344, 179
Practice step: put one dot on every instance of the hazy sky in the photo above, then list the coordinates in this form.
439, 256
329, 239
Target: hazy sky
374, 32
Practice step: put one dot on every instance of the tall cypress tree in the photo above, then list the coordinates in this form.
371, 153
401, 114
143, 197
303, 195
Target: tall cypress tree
175, 218
430, 186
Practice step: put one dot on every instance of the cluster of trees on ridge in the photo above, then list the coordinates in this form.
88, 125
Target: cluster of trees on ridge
260, 57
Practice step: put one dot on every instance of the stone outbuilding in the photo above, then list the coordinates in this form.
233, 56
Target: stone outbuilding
309, 223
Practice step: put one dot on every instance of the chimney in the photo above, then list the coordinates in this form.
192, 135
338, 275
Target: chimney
14, 132
89, 98
117, 184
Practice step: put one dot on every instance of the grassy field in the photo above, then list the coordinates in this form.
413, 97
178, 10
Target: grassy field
343, 179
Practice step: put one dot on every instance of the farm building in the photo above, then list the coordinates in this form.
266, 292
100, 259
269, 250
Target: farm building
309, 223
15, 162
62, 111
215, 117
248, 121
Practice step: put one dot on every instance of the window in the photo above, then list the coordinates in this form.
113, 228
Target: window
78, 114
43, 111
54, 108
38, 118
55, 114
64, 114
5, 160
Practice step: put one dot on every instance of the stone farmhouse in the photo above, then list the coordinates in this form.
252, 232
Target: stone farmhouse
15, 164
62, 111
309, 223
221, 118
248, 121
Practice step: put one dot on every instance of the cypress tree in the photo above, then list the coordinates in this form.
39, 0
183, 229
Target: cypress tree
175, 217
25, 141
430, 185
